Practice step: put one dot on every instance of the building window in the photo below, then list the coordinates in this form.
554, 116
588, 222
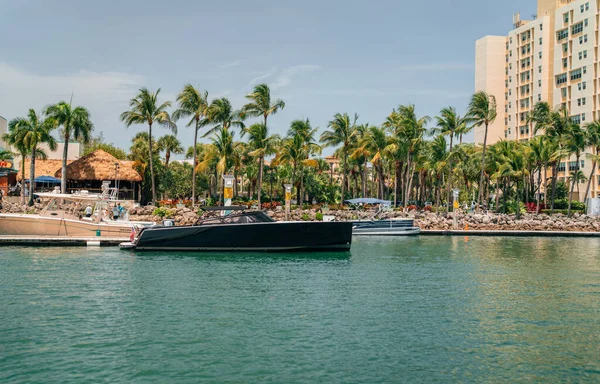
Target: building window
575, 75
541, 27
540, 69
540, 41
579, 86
580, 55
510, 40
584, 70
583, 85
561, 167
566, 17
564, 90
563, 34
565, 62
540, 55
582, 8
509, 118
577, 28
565, 47
585, 54
576, 119
573, 166
561, 79
582, 163
583, 101
579, 102
539, 83
539, 97
585, 22
583, 117
587, 6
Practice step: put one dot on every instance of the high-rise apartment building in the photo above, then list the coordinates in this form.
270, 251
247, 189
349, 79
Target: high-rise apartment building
552, 58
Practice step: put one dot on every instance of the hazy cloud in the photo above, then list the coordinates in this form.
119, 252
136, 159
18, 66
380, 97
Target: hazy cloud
105, 94
263, 76
284, 78
437, 67
231, 64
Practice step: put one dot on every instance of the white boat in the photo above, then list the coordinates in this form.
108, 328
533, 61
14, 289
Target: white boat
62, 215
391, 227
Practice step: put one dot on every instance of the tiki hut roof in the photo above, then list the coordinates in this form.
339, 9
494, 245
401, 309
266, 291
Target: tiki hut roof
42, 168
100, 165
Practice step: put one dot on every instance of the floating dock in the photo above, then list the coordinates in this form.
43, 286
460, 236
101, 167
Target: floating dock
60, 241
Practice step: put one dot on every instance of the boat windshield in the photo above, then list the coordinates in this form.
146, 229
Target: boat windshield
243, 218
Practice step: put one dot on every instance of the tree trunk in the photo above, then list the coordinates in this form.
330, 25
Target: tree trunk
260, 174
22, 178
589, 183
407, 184
167, 158
364, 180
482, 165
31, 175
151, 164
63, 177
574, 177
195, 163
343, 175
537, 196
554, 177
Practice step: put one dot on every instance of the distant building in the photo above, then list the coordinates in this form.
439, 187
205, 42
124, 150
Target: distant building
3, 131
552, 58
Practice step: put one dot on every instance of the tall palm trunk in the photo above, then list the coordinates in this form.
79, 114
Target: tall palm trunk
63, 177
573, 182
396, 172
344, 155
407, 184
537, 196
195, 161
589, 183
151, 163
31, 175
554, 177
23, 178
449, 181
364, 180
545, 185
482, 165
260, 177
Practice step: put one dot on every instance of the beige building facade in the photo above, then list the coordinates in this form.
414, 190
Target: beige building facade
553, 58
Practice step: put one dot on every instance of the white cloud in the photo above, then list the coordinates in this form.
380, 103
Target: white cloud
284, 78
105, 94
436, 67
263, 76
231, 64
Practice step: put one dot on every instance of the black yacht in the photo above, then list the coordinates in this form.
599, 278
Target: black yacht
242, 230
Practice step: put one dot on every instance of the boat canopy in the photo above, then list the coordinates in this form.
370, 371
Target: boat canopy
369, 200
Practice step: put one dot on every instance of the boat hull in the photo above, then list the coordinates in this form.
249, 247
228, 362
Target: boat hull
35, 225
269, 237
394, 227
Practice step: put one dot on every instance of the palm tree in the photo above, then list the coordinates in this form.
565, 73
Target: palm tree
374, 144
34, 131
14, 138
145, 109
261, 144
170, 144
540, 152
194, 103
260, 104
341, 131
575, 144
592, 140
482, 111
221, 113
220, 154
449, 123
76, 124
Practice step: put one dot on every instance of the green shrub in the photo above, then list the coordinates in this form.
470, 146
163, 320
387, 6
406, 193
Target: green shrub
319, 216
305, 217
162, 212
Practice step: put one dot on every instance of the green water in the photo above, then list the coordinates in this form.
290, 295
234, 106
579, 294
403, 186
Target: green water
428, 309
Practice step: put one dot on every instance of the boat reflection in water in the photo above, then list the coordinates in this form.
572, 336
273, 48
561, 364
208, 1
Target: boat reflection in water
241, 230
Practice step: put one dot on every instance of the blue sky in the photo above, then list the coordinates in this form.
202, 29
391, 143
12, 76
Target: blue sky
321, 57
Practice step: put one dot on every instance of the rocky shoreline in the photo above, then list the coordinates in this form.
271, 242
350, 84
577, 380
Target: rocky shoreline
424, 220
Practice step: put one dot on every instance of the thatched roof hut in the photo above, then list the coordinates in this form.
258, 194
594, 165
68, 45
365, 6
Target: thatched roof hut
42, 168
100, 165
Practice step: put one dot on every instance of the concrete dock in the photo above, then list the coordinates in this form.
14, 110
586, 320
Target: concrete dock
59, 241
431, 232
